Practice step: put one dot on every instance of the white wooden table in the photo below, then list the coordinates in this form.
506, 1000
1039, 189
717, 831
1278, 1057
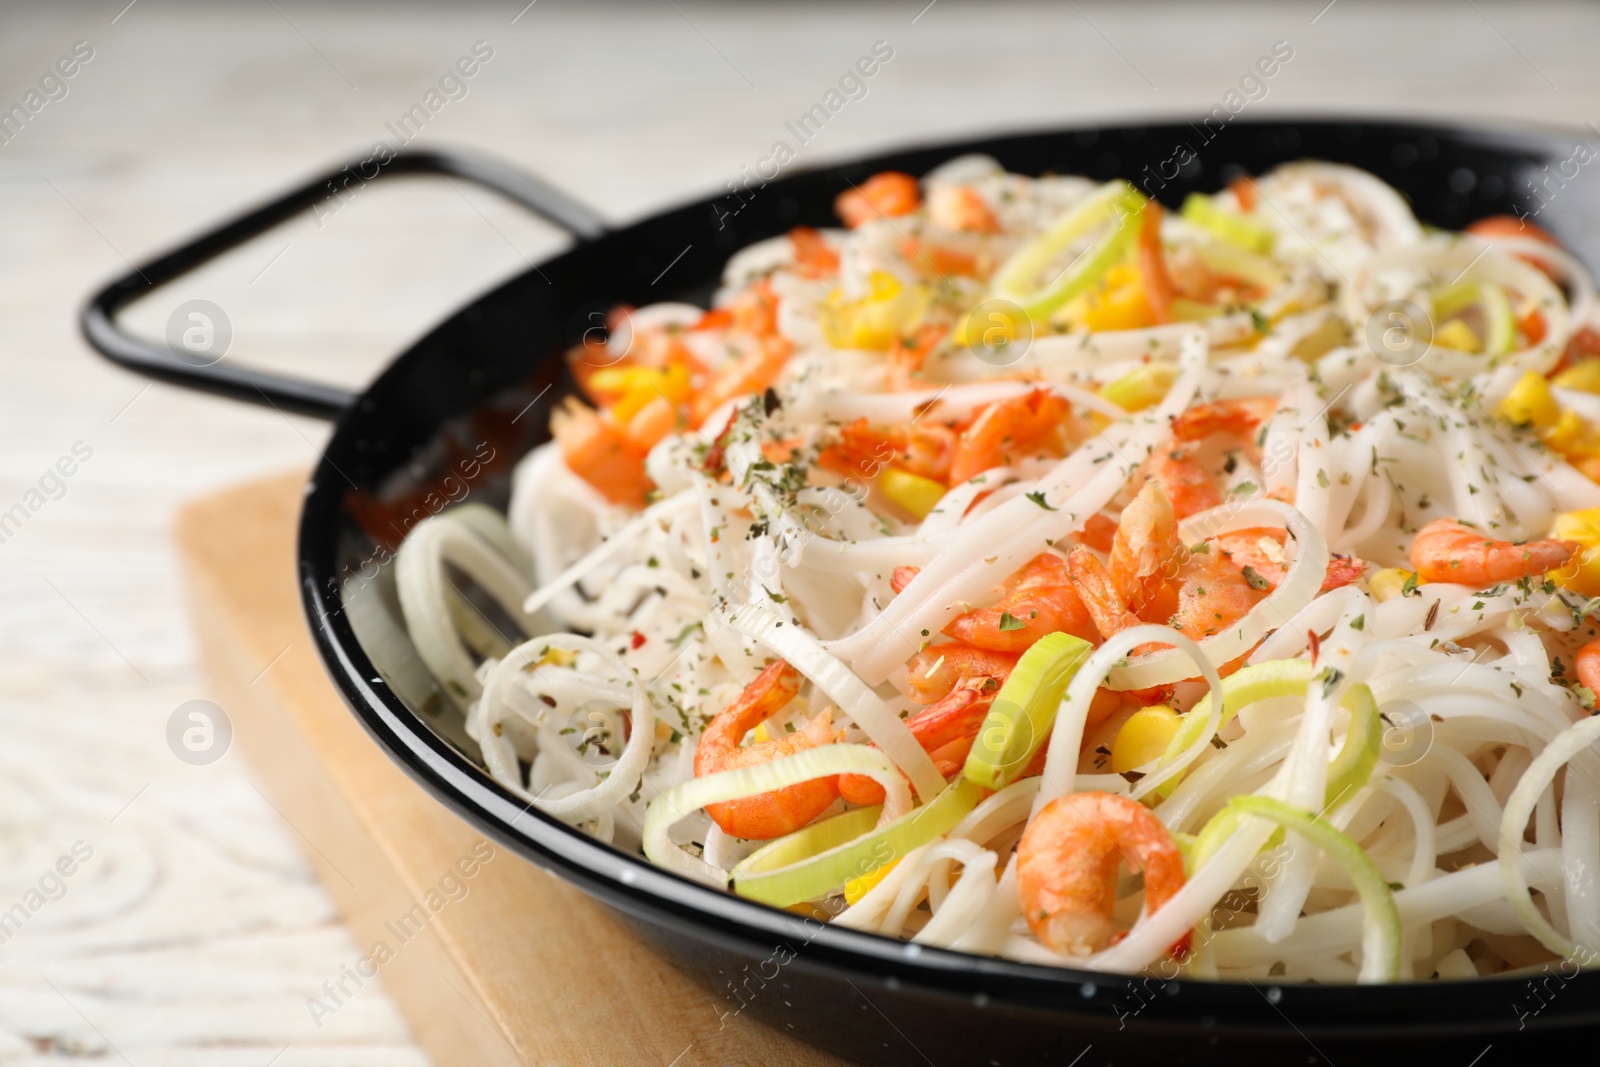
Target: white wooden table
192, 933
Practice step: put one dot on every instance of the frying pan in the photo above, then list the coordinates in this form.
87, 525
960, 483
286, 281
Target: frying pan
483, 381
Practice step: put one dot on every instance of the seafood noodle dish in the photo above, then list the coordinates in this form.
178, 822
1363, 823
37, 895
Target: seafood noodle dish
1027, 568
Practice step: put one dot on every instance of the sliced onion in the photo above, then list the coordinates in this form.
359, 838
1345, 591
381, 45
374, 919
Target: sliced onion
425, 592
626, 537
622, 777
1299, 587
687, 797
1519, 806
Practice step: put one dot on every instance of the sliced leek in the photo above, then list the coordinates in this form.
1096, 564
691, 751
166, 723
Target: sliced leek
1108, 208
1350, 769
1231, 226
815, 860
1020, 718
1380, 933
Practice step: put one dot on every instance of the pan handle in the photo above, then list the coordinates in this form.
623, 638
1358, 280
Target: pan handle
165, 363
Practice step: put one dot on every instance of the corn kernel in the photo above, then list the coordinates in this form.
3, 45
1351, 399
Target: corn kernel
1582, 573
557, 657
1582, 377
1530, 402
856, 888
1121, 305
1458, 335
1142, 388
1144, 737
912, 493
890, 311
1573, 436
612, 379
1387, 583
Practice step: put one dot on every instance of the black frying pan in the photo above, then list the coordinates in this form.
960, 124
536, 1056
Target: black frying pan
470, 382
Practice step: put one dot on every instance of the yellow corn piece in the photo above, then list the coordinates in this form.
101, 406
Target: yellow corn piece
1583, 377
557, 657
911, 493
644, 384
891, 310
1387, 583
1120, 305
1144, 737
1322, 340
1580, 376
1582, 574
1142, 388
1530, 402
1573, 436
856, 888
1458, 335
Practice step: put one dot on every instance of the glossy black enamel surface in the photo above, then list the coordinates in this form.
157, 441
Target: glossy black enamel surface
871, 998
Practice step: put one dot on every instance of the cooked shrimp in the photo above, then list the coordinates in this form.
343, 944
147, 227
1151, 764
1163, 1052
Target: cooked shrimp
945, 725
862, 450
905, 358
1212, 594
935, 672
756, 309
1588, 666
1025, 425
750, 373
1067, 864
1261, 549
1111, 616
601, 453
958, 207
888, 193
945, 260
1146, 551
1159, 290
782, 811
1099, 593
1237, 417
1037, 600
1099, 532
813, 256
1189, 486
1447, 551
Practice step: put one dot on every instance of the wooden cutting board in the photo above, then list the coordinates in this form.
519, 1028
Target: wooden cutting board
514, 966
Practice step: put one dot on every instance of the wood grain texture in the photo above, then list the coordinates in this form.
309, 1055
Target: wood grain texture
494, 961
196, 932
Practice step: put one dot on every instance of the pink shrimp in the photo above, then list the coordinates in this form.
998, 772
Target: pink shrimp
1067, 864
1261, 549
1188, 485
1146, 552
752, 372
1447, 551
936, 671
1015, 428
601, 453
959, 207
1236, 417
780, 811
941, 726
1037, 600
1212, 594
1588, 666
